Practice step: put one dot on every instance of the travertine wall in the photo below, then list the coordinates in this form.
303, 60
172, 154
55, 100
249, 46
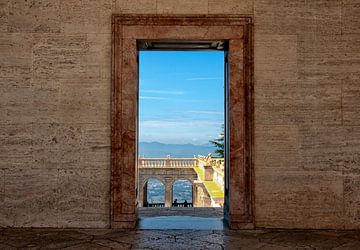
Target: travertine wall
55, 58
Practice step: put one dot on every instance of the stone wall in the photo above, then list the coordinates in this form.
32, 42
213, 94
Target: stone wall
55, 66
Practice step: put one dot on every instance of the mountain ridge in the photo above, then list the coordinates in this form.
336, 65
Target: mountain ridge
162, 150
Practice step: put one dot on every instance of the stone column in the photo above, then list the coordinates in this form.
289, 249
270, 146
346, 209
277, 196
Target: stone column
168, 192
195, 193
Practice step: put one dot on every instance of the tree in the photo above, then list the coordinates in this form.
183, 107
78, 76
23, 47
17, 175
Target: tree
219, 143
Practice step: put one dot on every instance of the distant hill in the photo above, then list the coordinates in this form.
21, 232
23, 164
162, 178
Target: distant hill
160, 150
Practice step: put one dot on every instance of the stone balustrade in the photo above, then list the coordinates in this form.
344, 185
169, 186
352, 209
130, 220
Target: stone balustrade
168, 162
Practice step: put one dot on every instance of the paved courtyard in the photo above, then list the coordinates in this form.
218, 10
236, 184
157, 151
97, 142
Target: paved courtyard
176, 239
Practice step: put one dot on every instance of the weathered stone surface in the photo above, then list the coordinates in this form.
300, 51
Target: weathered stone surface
277, 148
16, 55
30, 197
297, 17
86, 16
34, 16
351, 97
60, 56
275, 58
16, 145
16, 101
98, 57
4, 15
84, 101
83, 198
45, 100
352, 201
57, 145
2, 186
315, 201
182, 7
330, 148
96, 150
136, 6
231, 7
350, 14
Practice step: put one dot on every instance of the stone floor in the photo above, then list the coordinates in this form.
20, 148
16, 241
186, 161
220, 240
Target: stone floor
208, 212
181, 222
176, 239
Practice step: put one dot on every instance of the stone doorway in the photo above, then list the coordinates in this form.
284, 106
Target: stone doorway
236, 31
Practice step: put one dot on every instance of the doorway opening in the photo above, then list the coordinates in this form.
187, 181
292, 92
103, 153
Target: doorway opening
181, 128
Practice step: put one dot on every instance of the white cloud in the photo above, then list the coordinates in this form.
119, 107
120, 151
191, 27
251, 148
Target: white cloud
165, 92
205, 112
153, 98
203, 78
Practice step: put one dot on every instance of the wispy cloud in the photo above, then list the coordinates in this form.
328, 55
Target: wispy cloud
203, 78
153, 98
159, 98
205, 112
163, 92
178, 123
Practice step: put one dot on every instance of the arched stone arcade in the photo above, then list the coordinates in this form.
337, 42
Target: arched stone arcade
167, 176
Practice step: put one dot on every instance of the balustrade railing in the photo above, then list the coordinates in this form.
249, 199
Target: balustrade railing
189, 204
154, 205
168, 162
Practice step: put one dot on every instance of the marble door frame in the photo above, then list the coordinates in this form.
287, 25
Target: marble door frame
237, 31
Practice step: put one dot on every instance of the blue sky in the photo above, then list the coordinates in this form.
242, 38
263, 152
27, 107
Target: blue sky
181, 96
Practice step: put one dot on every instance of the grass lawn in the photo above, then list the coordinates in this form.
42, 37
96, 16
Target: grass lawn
212, 187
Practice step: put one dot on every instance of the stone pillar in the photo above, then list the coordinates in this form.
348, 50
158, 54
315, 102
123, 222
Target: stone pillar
195, 193
208, 173
168, 192
142, 196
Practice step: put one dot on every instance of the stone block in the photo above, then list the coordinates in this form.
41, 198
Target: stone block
328, 55
136, 6
277, 147
231, 7
275, 57
297, 17
86, 16
2, 186
305, 101
16, 101
30, 198
60, 56
182, 7
57, 144
351, 99
352, 201
84, 101
16, 145
45, 100
4, 15
299, 200
98, 56
332, 149
351, 17
34, 16
96, 150
16, 55
84, 196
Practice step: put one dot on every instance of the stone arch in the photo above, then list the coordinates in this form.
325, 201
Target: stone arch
145, 180
191, 185
145, 189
